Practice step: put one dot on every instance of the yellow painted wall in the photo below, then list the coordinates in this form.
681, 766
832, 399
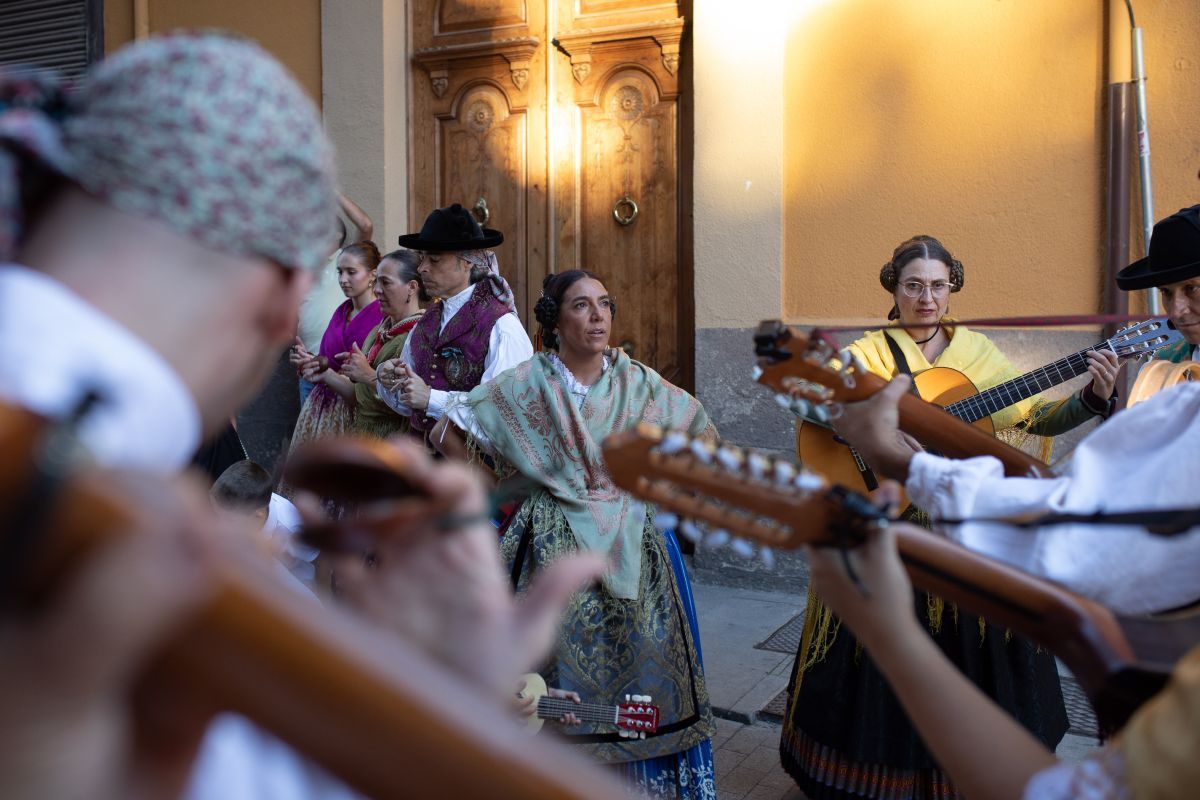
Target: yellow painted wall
289, 29
979, 122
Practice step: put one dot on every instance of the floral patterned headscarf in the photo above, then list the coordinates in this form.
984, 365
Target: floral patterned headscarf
486, 259
201, 131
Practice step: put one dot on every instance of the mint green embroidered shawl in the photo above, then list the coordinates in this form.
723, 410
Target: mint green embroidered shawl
530, 419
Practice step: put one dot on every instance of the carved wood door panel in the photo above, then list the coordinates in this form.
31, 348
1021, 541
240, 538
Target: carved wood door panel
482, 159
554, 118
629, 219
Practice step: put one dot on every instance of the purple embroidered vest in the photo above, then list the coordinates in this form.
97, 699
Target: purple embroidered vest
452, 360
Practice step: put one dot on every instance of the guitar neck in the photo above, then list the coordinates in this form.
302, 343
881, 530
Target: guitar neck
556, 708
1011, 392
952, 437
779, 367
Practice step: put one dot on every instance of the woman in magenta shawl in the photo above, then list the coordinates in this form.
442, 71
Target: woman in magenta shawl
325, 412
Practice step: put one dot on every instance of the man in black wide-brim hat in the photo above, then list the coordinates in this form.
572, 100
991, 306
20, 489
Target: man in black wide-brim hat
1173, 267
468, 335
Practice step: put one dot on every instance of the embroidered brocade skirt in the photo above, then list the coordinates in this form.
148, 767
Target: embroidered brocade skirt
610, 647
846, 735
324, 414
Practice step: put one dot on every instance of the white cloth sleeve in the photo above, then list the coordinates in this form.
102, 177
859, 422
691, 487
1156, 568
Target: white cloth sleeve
508, 346
239, 761
391, 397
1099, 777
1144, 458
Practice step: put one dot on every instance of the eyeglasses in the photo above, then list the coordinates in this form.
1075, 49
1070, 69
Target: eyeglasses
915, 289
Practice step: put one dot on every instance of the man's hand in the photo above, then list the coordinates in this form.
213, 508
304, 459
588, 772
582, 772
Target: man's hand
1103, 366
872, 427
444, 589
414, 392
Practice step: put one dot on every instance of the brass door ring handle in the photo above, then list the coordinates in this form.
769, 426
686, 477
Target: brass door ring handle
626, 219
482, 214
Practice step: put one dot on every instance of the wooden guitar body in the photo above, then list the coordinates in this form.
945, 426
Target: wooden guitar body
819, 449
1158, 375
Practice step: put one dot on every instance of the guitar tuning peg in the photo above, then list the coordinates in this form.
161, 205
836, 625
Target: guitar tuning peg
641, 734
702, 450
729, 458
785, 473
820, 413
689, 531
809, 481
768, 557
802, 408
672, 443
718, 538
665, 521
757, 464
742, 548
784, 402
756, 372
627, 698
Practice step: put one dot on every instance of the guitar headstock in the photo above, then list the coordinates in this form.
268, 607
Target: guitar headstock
636, 717
807, 371
733, 493
1144, 338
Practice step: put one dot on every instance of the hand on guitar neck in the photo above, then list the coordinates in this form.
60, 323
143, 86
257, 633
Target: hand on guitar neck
533, 688
872, 427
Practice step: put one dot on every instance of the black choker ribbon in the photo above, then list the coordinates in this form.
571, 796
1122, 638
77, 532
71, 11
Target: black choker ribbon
936, 331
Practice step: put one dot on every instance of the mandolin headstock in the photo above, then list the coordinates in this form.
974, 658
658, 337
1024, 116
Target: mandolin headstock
636, 717
729, 495
807, 371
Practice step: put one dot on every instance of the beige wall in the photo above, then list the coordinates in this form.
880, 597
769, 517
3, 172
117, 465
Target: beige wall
977, 121
364, 49
738, 172
289, 29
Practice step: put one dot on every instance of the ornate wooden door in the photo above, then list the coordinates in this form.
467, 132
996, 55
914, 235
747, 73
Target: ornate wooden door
560, 124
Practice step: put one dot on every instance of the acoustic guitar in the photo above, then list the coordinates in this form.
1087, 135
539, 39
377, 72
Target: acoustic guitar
634, 718
1119, 661
819, 448
1159, 375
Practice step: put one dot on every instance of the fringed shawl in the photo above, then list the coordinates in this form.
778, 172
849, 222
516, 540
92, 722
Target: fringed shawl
531, 422
971, 353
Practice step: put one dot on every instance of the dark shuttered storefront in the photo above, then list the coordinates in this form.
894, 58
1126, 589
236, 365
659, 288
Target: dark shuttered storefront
61, 35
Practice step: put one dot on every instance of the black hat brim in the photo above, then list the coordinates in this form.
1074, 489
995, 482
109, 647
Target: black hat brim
413, 241
1138, 275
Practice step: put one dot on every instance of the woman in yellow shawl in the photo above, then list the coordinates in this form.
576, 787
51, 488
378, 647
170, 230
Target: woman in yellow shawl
845, 734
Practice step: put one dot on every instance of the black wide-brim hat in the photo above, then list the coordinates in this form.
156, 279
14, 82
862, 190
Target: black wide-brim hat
1174, 253
451, 229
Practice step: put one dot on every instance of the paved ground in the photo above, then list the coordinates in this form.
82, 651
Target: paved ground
741, 680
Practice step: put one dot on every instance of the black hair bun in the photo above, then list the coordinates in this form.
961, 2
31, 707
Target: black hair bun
545, 311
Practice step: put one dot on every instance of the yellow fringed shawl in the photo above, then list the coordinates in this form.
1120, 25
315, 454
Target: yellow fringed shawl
971, 353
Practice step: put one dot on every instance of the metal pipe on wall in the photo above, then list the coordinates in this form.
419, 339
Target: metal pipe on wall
1117, 169
1143, 139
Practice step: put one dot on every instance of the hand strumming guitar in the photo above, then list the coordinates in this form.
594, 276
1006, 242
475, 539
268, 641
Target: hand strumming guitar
872, 427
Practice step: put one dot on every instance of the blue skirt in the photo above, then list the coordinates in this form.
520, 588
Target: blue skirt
687, 775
